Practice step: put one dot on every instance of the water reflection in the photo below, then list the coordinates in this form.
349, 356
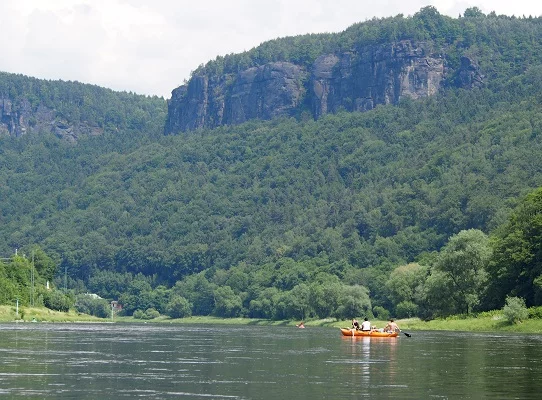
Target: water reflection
373, 362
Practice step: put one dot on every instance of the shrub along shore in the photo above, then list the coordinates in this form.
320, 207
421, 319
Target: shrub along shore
486, 322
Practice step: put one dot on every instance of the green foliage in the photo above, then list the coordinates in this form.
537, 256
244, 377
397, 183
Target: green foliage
227, 303
56, 300
87, 304
514, 310
179, 307
185, 204
354, 301
517, 264
324, 295
381, 313
138, 296
109, 284
535, 312
16, 280
405, 286
406, 309
77, 103
44, 265
463, 263
437, 292
199, 292
263, 305
8, 289
149, 313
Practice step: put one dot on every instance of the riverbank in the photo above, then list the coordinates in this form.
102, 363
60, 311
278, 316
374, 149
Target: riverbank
42, 314
487, 322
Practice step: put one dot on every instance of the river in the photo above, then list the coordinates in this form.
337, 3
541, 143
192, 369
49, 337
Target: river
159, 361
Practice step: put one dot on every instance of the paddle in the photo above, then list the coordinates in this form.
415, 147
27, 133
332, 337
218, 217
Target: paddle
406, 334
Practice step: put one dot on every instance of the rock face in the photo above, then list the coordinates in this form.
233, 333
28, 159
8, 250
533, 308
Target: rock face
377, 75
355, 81
264, 92
17, 119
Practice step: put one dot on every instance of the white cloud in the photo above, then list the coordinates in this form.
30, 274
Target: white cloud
151, 47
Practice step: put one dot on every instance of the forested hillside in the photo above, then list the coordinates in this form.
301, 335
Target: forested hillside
291, 218
72, 110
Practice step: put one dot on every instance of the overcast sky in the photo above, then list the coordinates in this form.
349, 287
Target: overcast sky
151, 46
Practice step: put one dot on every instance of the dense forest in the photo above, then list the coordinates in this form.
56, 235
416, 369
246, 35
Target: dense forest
428, 208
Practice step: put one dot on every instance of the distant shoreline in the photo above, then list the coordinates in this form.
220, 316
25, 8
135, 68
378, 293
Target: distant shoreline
490, 323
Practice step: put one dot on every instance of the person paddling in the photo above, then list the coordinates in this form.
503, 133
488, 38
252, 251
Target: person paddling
392, 326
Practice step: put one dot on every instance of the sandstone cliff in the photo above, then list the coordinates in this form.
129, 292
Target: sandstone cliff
20, 118
358, 80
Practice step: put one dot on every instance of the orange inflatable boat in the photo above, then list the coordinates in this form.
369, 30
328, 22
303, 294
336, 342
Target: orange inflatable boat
353, 332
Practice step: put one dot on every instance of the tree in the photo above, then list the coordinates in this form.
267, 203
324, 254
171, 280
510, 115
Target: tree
227, 303
516, 265
160, 298
56, 300
473, 12
96, 306
199, 292
463, 263
178, 307
45, 265
404, 287
8, 289
437, 292
406, 309
109, 284
282, 305
301, 301
263, 305
137, 297
324, 297
354, 301
514, 310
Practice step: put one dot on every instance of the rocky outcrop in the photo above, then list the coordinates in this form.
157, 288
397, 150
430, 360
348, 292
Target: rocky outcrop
20, 118
375, 75
358, 80
264, 92
468, 75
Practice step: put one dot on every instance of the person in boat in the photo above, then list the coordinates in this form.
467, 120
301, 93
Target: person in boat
366, 325
391, 326
301, 325
355, 324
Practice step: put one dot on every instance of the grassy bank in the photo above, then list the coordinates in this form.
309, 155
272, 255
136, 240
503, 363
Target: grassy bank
479, 324
488, 322
42, 314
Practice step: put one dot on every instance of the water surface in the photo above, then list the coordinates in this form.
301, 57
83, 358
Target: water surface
110, 361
